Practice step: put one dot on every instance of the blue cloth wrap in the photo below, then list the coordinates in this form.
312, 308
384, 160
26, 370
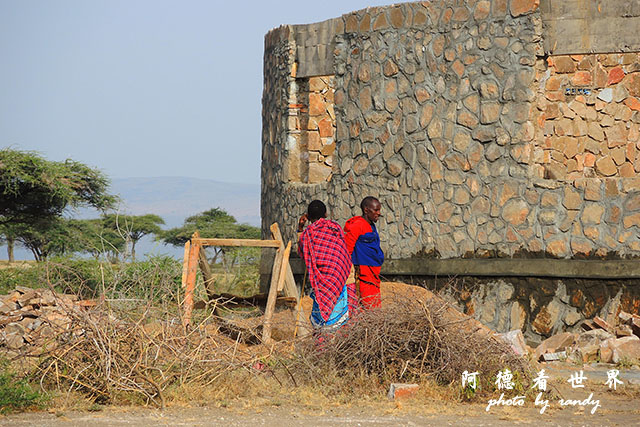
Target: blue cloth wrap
367, 250
339, 314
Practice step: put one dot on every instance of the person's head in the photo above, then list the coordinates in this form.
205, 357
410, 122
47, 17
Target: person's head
370, 208
316, 210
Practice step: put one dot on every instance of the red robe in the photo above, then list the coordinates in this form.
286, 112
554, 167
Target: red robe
367, 277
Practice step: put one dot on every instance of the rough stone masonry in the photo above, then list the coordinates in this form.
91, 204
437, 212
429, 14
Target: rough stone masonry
488, 129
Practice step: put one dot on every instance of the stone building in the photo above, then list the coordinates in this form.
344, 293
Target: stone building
501, 136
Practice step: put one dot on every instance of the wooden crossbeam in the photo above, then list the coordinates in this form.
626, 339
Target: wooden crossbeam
256, 243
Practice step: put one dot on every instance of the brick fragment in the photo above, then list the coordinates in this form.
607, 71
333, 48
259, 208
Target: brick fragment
633, 103
401, 391
523, 7
615, 75
563, 64
582, 78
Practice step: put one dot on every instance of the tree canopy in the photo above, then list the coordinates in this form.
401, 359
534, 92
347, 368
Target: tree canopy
46, 236
33, 188
214, 223
93, 237
35, 192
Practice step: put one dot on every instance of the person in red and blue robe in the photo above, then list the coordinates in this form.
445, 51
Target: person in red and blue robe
328, 262
363, 243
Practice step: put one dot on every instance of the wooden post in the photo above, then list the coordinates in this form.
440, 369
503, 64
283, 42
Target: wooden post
209, 281
203, 263
185, 263
290, 289
276, 280
190, 283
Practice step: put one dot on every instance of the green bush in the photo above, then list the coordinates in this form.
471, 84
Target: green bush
83, 277
153, 278
28, 276
156, 278
15, 393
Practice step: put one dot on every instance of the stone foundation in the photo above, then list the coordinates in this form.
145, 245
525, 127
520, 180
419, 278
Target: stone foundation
540, 307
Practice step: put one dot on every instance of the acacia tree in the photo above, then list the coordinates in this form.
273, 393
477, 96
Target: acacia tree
133, 228
49, 236
213, 223
35, 192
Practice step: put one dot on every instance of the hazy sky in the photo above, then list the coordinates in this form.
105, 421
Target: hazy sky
143, 87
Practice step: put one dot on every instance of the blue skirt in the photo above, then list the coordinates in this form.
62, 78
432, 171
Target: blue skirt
339, 315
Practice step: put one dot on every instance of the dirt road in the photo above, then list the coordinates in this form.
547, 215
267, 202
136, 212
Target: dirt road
616, 408
623, 413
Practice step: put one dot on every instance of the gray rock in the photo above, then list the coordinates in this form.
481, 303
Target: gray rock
606, 95
555, 343
594, 337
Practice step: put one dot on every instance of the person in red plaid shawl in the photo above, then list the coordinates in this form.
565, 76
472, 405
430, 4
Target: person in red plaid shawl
328, 262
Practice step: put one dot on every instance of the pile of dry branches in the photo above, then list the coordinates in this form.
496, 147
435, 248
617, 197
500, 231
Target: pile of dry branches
409, 340
113, 357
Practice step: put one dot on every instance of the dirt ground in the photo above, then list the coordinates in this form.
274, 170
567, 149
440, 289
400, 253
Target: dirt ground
620, 407
615, 411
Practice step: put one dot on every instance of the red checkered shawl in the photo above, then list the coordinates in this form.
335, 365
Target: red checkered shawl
325, 253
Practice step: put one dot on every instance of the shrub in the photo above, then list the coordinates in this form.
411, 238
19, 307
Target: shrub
155, 279
24, 275
15, 393
83, 277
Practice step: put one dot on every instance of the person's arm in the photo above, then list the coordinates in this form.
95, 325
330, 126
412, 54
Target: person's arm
301, 223
352, 230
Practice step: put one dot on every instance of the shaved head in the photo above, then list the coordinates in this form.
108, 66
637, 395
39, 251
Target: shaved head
368, 202
370, 209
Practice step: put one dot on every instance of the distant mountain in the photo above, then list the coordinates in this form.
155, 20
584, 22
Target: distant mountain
174, 199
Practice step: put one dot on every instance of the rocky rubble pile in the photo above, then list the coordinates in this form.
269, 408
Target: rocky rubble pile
31, 319
599, 342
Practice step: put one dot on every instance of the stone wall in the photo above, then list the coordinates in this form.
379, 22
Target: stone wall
588, 116
431, 110
312, 127
476, 143
477, 138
